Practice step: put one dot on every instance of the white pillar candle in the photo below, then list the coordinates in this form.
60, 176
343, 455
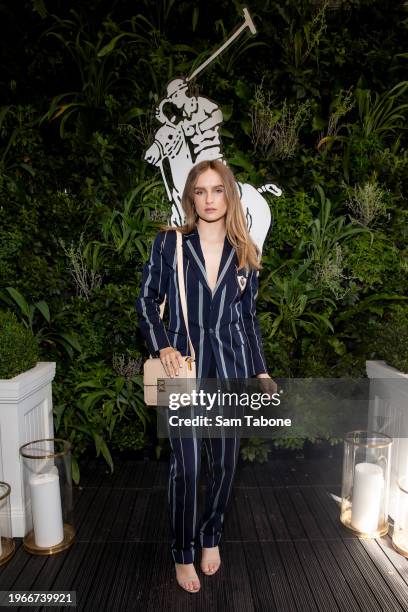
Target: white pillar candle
368, 487
46, 509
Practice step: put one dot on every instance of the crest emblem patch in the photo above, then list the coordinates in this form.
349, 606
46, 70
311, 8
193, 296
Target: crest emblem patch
242, 281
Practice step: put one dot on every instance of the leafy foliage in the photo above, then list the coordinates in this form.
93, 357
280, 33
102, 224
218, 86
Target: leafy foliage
316, 103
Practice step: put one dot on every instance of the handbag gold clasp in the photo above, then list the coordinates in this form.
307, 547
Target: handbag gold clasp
161, 385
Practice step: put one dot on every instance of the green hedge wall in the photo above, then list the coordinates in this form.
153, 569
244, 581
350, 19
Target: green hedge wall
316, 103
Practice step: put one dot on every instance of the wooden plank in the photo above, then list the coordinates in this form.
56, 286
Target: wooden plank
309, 524
332, 510
46, 578
122, 517
244, 474
233, 579
266, 475
93, 472
136, 475
140, 576
86, 572
318, 584
104, 523
274, 472
261, 588
318, 511
325, 471
354, 545
245, 520
285, 469
76, 562
232, 530
164, 593
162, 474
149, 474
289, 514
90, 523
354, 577
20, 570
274, 568
274, 514
314, 471
32, 569
137, 516
330, 470
342, 591
399, 562
302, 472
124, 474
156, 525
260, 516
387, 570
10, 570
375, 579
84, 499
295, 572
94, 596
125, 562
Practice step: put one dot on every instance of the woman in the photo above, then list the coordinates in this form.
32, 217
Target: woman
220, 270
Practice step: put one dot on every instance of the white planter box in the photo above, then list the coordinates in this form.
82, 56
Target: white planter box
25, 415
389, 414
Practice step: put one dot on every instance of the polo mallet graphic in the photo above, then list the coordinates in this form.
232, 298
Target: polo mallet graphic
248, 23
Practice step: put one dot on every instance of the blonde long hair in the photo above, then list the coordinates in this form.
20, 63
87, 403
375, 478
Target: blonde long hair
237, 230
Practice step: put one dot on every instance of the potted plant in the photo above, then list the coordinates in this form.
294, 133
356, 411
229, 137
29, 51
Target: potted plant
25, 405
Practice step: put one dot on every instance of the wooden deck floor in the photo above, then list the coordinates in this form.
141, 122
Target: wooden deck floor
283, 546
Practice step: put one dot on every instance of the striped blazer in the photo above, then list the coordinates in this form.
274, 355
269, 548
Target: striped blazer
222, 321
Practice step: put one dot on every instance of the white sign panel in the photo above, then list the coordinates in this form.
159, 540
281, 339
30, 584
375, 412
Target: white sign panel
189, 133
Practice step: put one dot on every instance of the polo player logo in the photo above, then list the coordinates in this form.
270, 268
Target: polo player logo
189, 134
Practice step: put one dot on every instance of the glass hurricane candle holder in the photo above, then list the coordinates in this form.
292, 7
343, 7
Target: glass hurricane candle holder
400, 535
49, 527
7, 545
365, 483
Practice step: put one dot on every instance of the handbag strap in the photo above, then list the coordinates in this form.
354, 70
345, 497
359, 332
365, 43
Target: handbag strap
180, 274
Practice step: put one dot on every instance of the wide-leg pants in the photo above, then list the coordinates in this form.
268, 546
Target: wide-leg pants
185, 462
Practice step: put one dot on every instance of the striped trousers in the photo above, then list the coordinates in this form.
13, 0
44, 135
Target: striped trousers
185, 462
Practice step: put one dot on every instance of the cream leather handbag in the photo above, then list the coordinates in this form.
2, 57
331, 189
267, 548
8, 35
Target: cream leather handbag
154, 374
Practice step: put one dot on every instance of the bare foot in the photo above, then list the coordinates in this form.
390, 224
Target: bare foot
187, 578
210, 560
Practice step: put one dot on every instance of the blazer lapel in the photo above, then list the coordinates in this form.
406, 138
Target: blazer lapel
195, 255
228, 259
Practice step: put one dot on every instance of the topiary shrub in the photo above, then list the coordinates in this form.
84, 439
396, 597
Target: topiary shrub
18, 347
391, 343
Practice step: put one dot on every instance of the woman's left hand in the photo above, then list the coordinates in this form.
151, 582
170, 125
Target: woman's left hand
268, 385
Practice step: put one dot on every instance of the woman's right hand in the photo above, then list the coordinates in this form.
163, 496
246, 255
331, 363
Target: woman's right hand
172, 361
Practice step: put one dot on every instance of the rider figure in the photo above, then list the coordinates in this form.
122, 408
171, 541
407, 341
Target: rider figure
200, 120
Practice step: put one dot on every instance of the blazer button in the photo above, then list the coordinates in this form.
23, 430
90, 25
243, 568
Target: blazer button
211, 330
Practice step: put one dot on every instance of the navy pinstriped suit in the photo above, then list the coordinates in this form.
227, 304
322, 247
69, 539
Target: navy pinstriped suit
225, 334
